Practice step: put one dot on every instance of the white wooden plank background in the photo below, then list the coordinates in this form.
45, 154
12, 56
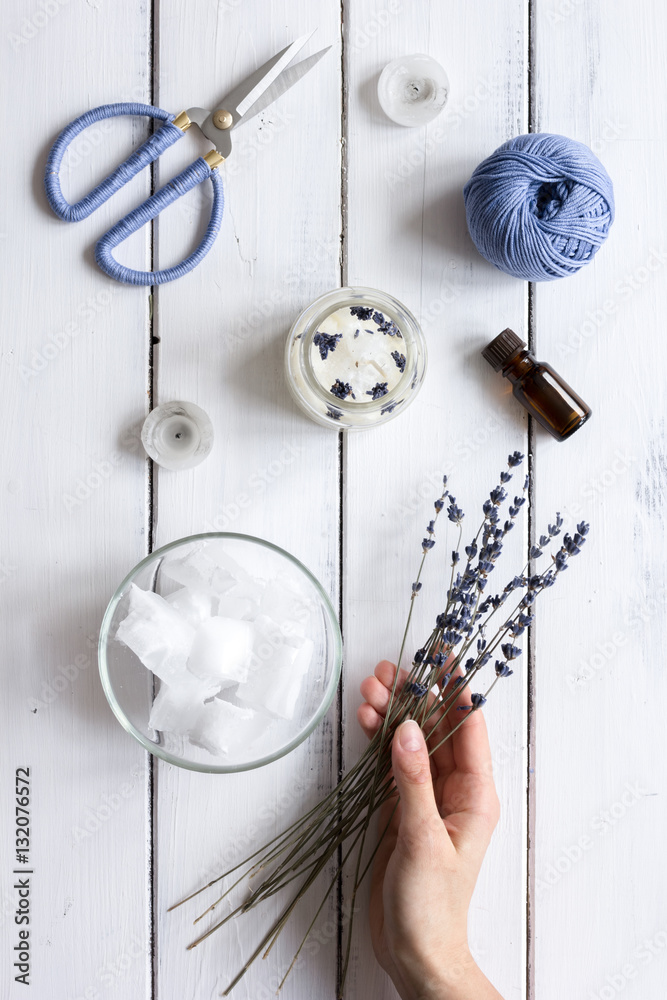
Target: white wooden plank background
322, 190
599, 681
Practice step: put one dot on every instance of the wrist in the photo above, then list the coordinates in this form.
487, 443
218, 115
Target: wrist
451, 976
464, 980
446, 976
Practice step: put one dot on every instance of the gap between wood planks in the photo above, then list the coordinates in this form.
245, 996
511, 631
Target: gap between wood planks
342, 455
151, 498
531, 80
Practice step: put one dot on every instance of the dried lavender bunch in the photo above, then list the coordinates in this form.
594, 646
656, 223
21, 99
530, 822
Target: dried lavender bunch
455, 652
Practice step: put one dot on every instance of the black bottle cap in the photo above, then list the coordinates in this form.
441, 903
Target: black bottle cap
503, 348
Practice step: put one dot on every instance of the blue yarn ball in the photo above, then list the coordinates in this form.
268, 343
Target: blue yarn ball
540, 207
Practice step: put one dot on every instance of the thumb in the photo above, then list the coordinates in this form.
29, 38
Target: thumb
412, 774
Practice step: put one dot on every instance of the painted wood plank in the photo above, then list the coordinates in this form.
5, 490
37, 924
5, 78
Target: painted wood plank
600, 686
272, 472
73, 501
407, 235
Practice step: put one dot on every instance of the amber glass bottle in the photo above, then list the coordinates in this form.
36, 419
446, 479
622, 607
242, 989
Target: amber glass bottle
535, 384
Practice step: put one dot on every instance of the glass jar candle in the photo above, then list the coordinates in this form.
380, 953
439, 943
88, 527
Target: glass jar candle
356, 357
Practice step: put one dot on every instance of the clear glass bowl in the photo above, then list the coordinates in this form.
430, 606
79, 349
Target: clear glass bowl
131, 688
350, 370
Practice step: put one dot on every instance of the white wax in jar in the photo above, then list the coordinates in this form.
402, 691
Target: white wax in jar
357, 354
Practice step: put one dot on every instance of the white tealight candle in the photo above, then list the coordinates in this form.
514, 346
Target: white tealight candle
177, 435
413, 90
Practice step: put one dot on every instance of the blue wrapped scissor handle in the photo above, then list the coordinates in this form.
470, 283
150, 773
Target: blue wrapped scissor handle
149, 151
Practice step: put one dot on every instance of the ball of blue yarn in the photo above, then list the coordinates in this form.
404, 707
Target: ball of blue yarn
540, 207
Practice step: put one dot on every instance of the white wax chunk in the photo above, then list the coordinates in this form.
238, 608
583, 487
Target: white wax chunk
253, 728
283, 599
194, 605
274, 685
231, 606
177, 705
156, 633
198, 570
336, 322
268, 628
221, 727
294, 632
271, 635
304, 657
221, 650
217, 551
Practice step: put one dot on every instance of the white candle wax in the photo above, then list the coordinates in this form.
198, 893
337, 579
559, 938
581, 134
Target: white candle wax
177, 435
413, 90
357, 354
355, 358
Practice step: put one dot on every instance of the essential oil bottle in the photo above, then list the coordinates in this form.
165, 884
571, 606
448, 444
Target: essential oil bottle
543, 392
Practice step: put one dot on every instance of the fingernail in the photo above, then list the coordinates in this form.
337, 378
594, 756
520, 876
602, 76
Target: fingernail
409, 736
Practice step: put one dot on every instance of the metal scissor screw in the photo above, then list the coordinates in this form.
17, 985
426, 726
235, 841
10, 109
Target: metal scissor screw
222, 119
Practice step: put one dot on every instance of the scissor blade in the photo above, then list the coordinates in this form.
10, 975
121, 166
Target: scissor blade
285, 80
257, 82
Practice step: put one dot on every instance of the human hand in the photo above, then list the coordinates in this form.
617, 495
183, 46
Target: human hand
427, 864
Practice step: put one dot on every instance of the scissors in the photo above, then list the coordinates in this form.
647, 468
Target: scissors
256, 92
